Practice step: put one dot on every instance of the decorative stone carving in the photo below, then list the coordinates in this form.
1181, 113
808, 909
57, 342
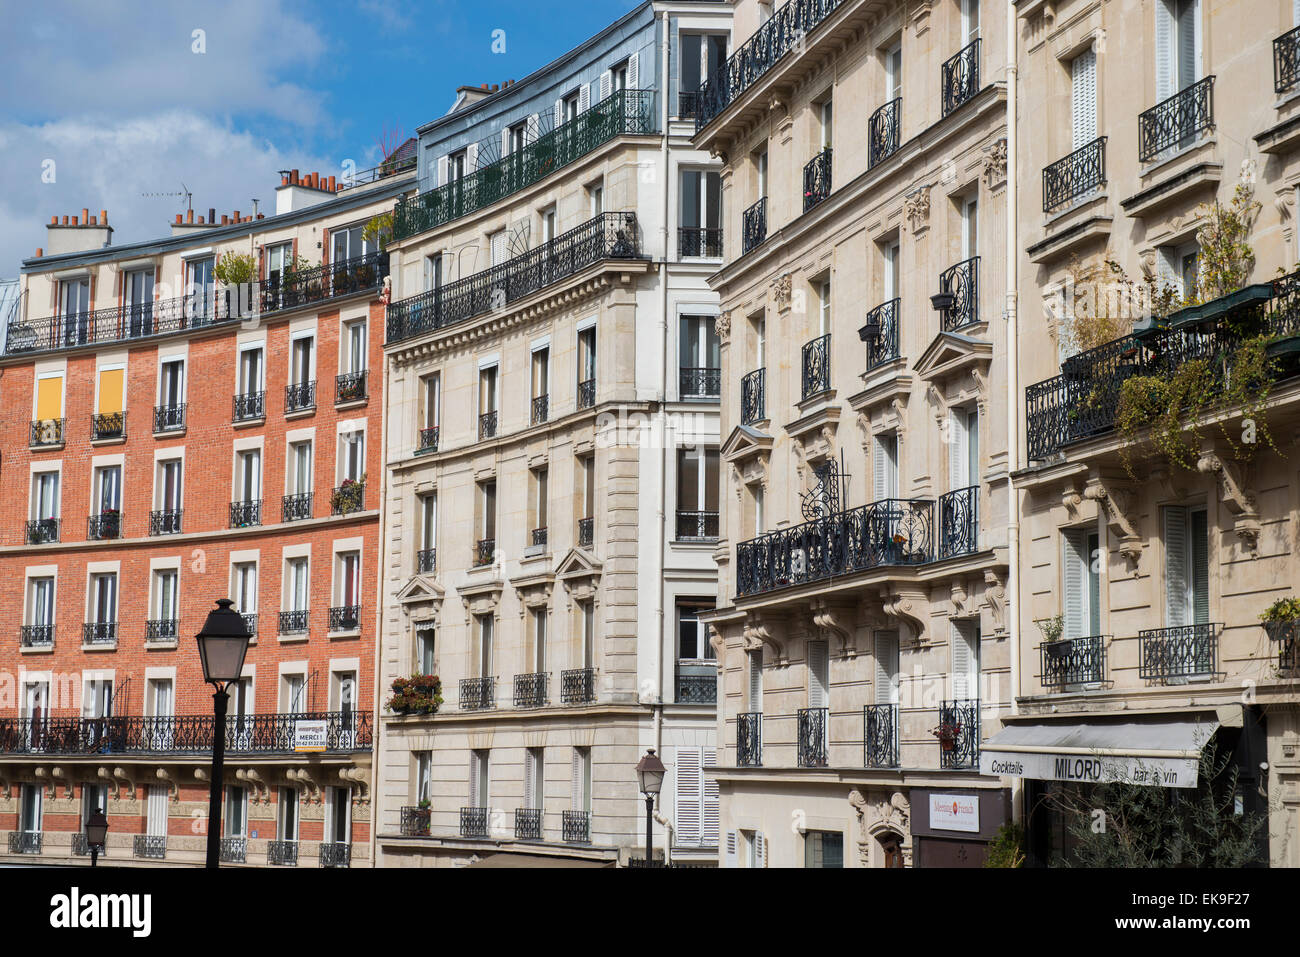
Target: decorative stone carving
908, 606
995, 600
722, 325
961, 603
916, 207
995, 164
757, 634
1117, 501
781, 289
1233, 493
864, 430
1071, 500
717, 643
834, 622
882, 819
980, 382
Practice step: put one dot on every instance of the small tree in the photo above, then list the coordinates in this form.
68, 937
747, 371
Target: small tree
235, 269
379, 229
1226, 259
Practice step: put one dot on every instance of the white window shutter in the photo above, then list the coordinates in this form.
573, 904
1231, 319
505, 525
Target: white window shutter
529, 783
1295, 12
575, 781
473, 778
471, 158
157, 811
1164, 51
1074, 570
879, 469
442, 170
584, 97
886, 690
606, 84
689, 796
760, 849
817, 677
957, 450
505, 142
1189, 44
730, 856
1084, 98
559, 112
534, 125
1175, 566
960, 662
756, 681
632, 73
709, 804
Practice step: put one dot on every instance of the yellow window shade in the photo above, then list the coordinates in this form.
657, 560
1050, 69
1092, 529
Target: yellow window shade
110, 391
49, 398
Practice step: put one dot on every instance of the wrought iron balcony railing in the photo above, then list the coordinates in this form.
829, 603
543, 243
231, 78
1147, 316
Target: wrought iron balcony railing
697, 526
816, 366
817, 179
697, 242
107, 425
335, 854
1175, 123
25, 842
586, 532
246, 514
47, 432
300, 396
249, 406
293, 622
474, 822
528, 824
161, 630
884, 131
623, 112
959, 522
348, 497
484, 551
699, 383
813, 732
42, 531
880, 736
36, 636
577, 686
234, 850
165, 521
1178, 653
99, 633
538, 536
428, 440
888, 532
541, 407
250, 622
295, 507
749, 739
477, 694
350, 387
688, 104
697, 682
426, 561
345, 618
152, 846
960, 747
787, 28
169, 418
586, 393
960, 77
389, 167
80, 848
1286, 61
962, 283
1073, 661
880, 333
753, 398
754, 226
414, 821
282, 853
345, 731
530, 690
575, 827
345, 277
1076, 175
487, 425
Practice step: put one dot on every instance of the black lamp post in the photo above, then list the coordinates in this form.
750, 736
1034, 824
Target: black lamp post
223, 642
96, 834
650, 773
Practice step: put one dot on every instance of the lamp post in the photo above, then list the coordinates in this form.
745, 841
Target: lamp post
96, 834
650, 774
223, 642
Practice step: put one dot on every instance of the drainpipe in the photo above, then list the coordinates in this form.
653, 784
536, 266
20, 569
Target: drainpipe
1013, 383
661, 517
377, 676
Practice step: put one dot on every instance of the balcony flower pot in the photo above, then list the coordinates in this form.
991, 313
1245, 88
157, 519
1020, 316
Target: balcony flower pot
1282, 620
870, 330
948, 735
418, 694
349, 496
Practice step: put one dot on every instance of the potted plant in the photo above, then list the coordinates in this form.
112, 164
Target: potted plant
1282, 619
1052, 628
948, 732
350, 496
418, 694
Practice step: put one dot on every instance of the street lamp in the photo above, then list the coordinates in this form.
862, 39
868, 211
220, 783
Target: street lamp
96, 833
223, 642
650, 774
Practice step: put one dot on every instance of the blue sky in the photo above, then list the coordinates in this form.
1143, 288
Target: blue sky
103, 101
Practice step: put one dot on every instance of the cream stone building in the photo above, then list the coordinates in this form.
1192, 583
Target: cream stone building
864, 647
552, 455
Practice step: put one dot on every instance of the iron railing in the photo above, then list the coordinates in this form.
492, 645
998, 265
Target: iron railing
528, 824
816, 366
293, 622
104, 526
153, 846
335, 854
749, 739
697, 682
300, 396
880, 333
530, 690
817, 179
1080, 173
36, 636
25, 842
753, 397
246, 514
884, 131
754, 226
623, 112
1180, 652
107, 425
80, 846
699, 242
165, 521
250, 622
487, 425
960, 76
695, 383
962, 283
1286, 61
474, 822
348, 497
477, 694
345, 618
169, 418
350, 387
577, 686
1175, 122
1073, 661
484, 551
46, 432
880, 736
586, 532
688, 104
234, 850
282, 852
959, 522
962, 748
99, 633
294, 288
249, 405
888, 532
541, 408
414, 821
389, 167
426, 561
428, 440
295, 507
813, 731
161, 630
696, 526
586, 393
575, 827
42, 531
538, 536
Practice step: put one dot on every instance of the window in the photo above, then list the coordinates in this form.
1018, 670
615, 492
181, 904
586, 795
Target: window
894, 72
349, 243
970, 20
296, 583
487, 507
702, 56
108, 489
548, 224
479, 778
541, 372
74, 297
823, 307
97, 698
236, 811
293, 688
586, 483
250, 370
569, 106
497, 247
1081, 583
45, 495
245, 590
279, 260
40, 601
760, 166
429, 521
287, 825
534, 778
581, 790
963, 449
487, 390
965, 659
755, 659
168, 488
1178, 46
618, 76
159, 699
756, 498
483, 634
248, 475
818, 675
432, 272
517, 137
969, 227
171, 387
884, 466
886, 687
825, 115
354, 338
109, 401
823, 849
1083, 98
889, 269
1187, 566
301, 368
701, 213
423, 777
1179, 267
338, 807
156, 811
692, 637
430, 394
352, 456
103, 598
696, 798
700, 355
347, 578
49, 401
166, 582
587, 625
425, 647
343, 694
300, 462
538, 494
199, 284
596, 198
697, 493
94, 797
586, 367
30, 806
537, 640
457, 163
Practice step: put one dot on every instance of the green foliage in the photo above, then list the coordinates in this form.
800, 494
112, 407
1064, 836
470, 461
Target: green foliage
1226, 259
418, 694
235, 269
1282, 610
1007, 849
379, 229
1052, 628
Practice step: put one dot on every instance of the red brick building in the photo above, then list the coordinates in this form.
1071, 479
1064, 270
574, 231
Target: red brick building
167, 440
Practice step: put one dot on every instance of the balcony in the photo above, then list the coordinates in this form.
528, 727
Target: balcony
959, 522
699, 242
250, 622
578, 686
753, 397
348, 497
478, 694
697, 681
295, 507
884, 132
960, 77
36, 636
168, 418
234, 850
165, 521
1175, 123
1174, 655
390, 167
350, 387
623, 112
484, 551
426, 561
749, 740
816, 367
586, 393
295, 288
345, 618
79, 846
428, 440
697, 526
246, 514
46, 432
25, 842
99, 633
880, 333
299, 397
150, 846
530, 690
107, 426
884, 533
474, 822
161, 631
528, 824
105, 525
813, 749
699, 383
335, 854
293, 622
1078, 174
487, 425
284, 853
575, 827
541, 407
42, 531
249, 407
817, 179
345, 732
959, 738
414, 822
1073, 661
537, 537
754, 226
586, 532
1286, 61
880, 736
959, 303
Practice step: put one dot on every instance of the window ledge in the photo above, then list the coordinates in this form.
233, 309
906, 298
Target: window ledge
101, 646
352, 403
248, 423
294, 638
170, 433
162, 645
300, 413
351, 633
115, 440
47, 447
38, 650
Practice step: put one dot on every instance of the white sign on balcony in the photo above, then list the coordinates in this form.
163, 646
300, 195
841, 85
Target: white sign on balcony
309, 735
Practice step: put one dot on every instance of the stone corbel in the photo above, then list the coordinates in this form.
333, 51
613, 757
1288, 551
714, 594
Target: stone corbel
165, 776
303, 779
995, 599
104, 778
864, 430
899, 405
717, 643
127, 784
253, 779
1117, 501
61, 775
1071, 499
359, 780
908, 606
962, 606
757, 635
981, 383
937, 401
722, 325
834, 622
1232, 492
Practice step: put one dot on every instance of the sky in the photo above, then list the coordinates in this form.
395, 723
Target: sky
103, 102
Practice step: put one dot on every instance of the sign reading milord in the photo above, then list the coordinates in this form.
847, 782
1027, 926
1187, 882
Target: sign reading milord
1092, 768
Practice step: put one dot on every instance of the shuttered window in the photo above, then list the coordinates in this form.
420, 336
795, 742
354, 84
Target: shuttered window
533, 778
756, 681
1178, 45
580, 782
478, 779
818, 677
157, 811
965, 659
1074, 583
1083, 74
886, 689
696, 795
885, 467
49, 397
1187, 573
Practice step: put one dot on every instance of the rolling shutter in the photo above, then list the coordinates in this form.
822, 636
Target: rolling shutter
49, 398
817, 676
886, 690
1074, 568
689, 796
708, 799
1084, 98
633, 74
1175, 522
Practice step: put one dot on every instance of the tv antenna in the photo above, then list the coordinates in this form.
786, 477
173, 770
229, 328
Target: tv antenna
185, 191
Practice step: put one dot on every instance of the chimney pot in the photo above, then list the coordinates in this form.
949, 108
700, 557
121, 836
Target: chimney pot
237, 218
332, 187
225, 220
178, 219
261, 215
293, 177
54, 220
39, 252
212, 215
189, 216
284, 180
75, 221
94, 221
103, 217
65, 219
85, 215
